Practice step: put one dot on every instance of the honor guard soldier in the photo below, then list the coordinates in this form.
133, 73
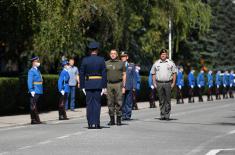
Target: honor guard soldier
231, 84
129, 87
136, 93
180, 85
63, 87
200, 84
35, 87
164, 76
116, 77
218, 85
225, 84
93, 82
191, 83
210, 86
152, 95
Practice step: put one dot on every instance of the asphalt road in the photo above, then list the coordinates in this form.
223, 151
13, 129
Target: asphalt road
195, 129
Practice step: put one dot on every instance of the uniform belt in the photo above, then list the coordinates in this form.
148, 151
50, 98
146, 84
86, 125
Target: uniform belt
37, 83
112, 82
94, 77
164, 81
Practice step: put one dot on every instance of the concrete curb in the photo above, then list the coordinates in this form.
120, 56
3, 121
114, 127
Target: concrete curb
22, 120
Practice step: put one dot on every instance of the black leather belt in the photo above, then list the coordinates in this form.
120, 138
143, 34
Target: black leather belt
164, 81
112, 82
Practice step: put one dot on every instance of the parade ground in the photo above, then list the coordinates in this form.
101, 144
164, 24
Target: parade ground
206, 128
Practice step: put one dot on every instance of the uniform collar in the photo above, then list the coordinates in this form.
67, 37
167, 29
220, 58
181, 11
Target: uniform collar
114, 60
35, 67
161, 61
65, 69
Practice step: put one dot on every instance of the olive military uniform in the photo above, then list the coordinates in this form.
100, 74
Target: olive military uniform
115, 69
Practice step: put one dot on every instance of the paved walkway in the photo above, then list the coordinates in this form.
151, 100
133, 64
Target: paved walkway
18, 120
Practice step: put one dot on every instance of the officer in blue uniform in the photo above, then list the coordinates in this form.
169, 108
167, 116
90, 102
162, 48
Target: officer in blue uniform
152, 95
231, 84
136, 93
180, 85
93, 82
218, 85
64, 89
130, 87
210, 85
225, 84
201, 84
35, 87
191, 83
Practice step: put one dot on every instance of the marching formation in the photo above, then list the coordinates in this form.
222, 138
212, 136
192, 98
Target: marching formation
120, 81
218, 84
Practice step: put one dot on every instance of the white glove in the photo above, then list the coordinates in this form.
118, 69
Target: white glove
84, 91
62, 92
224, 85
231, 85
199, 86
33, 93
180, 87
103, 91
217, 86
192, 86
152, 87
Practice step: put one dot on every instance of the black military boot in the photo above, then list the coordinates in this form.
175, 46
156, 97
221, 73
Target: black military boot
112, 121
119, 121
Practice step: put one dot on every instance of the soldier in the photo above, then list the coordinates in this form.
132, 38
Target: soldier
116, 78
73, 83
218, 84
180, 84
164, 76
129, 87
93, 82
231, 84
152, 94
136, 93
200, 84
192, 83
210, 86
35, 87
225, 84
63, 87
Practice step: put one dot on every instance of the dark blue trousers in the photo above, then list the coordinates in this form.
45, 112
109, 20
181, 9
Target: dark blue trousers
93, 106
127, 105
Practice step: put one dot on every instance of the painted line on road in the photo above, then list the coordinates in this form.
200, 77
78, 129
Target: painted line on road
11, 128
25, 147
215, 151
231, 132
45, 142
62, 137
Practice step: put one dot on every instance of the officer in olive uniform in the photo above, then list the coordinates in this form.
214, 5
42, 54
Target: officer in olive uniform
116, 78
164, 78
130, 87
93, 82
35, 88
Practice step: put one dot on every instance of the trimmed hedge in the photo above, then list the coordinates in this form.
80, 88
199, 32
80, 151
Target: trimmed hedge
14, 96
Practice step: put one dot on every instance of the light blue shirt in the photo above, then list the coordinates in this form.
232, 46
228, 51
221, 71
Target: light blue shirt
73, 73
